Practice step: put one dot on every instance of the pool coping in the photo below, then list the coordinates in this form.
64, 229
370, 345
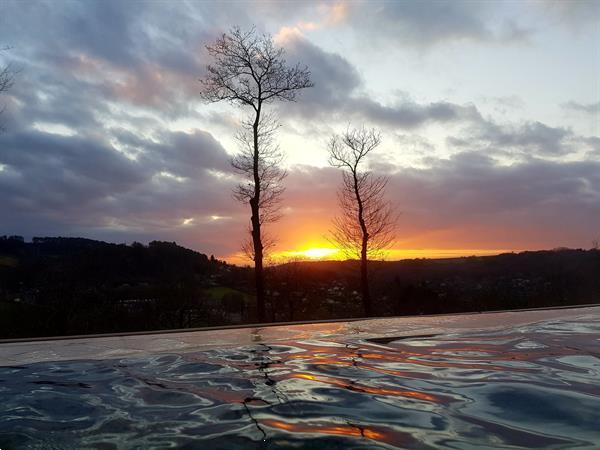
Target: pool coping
278, 324
342, 332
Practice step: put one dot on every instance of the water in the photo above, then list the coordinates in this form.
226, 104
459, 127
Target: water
535, 386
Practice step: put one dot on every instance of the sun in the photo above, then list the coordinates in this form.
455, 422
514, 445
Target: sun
309, 253
318, 252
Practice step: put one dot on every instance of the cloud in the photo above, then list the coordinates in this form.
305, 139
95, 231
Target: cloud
84, 185
430, 23
180, 189
576, 14
339, 94
533, 204
468, 201
529, 138
110, 55
408, 114
420, 25
89, 152
588, 108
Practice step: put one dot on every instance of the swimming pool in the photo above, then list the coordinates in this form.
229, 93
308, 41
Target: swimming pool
529, 385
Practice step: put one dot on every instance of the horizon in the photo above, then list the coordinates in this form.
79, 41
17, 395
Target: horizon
302, 256
489, 113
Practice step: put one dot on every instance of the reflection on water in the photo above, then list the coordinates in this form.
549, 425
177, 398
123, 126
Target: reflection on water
535, 386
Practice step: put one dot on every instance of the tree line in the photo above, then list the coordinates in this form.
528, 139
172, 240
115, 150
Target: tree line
61, 286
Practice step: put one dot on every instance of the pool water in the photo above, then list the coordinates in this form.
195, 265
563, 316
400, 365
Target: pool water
531, 386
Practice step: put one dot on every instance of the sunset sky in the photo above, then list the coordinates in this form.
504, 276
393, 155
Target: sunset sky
489, 113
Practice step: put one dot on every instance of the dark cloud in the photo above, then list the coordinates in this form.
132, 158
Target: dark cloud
83, 184
187, 155
98, 54
103, 29
334, 78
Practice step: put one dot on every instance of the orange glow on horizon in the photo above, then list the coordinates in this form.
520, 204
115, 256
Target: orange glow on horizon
325, 253
310, 253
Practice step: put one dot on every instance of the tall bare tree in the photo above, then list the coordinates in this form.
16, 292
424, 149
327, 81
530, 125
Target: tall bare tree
365, 226
250, 71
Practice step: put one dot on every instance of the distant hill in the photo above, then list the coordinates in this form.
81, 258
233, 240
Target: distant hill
82, 260
57, 285
61, 286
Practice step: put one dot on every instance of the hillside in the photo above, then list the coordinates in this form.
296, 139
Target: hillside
62, 286
56, 286
426, 286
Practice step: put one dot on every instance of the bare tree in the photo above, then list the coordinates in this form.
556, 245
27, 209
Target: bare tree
6, 79
250, 71
365, 226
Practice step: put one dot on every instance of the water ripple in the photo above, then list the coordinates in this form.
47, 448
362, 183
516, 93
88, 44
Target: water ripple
535, 386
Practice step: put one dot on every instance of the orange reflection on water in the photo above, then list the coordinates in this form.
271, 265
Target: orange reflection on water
338, 429
352, 386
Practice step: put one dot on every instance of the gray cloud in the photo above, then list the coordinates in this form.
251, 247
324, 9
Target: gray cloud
409, 114
335, 79
574, 14
76, 185
525, 139
472, 201
115, 73
533, 203
82, 184
428, 23
338, 95
589, 108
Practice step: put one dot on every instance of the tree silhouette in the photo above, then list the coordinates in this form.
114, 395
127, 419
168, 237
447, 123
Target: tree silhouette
250, 71
365, 225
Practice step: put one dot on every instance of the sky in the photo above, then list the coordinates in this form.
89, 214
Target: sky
489, 113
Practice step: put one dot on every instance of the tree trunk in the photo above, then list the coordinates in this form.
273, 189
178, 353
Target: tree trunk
259, 276
364, 279
364, 274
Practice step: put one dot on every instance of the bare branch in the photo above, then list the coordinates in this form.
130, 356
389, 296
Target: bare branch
250, 71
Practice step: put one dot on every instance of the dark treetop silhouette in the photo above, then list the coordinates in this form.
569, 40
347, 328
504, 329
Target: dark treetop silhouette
365, 226
250, 71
